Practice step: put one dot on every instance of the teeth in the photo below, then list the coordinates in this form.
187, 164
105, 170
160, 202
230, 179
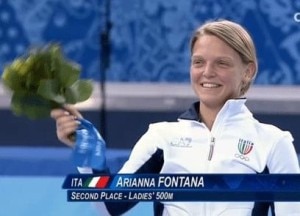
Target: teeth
209, 85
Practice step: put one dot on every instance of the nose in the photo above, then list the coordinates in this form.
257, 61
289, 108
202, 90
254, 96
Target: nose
208, 70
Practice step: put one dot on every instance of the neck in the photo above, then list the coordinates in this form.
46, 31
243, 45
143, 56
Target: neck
208, 114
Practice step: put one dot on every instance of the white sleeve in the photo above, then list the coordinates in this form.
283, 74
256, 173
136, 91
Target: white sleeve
144, 150
283, 159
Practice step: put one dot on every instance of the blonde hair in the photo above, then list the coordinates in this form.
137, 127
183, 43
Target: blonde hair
235, 36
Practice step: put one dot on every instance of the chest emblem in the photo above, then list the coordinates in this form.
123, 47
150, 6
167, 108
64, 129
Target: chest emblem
244, 148
184, 142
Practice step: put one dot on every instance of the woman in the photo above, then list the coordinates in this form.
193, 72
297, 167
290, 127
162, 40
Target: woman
214, 130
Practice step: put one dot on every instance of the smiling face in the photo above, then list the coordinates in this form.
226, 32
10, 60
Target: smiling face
217, 71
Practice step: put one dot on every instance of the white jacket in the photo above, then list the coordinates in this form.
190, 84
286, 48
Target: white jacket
237, 143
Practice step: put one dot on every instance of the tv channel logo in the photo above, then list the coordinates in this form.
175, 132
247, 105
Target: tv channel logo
297, 17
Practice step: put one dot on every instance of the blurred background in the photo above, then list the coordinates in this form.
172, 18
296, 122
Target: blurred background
137, 54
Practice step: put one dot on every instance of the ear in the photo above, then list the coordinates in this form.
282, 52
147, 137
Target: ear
249, 72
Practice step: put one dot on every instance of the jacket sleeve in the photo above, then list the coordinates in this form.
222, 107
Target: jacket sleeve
146, 157
283, 159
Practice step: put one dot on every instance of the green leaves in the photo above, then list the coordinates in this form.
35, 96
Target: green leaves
43, 80
78, 91
31, 105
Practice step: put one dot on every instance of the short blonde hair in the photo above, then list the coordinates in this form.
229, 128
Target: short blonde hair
235, 36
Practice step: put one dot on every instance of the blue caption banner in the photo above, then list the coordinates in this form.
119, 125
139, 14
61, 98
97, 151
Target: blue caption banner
183, 187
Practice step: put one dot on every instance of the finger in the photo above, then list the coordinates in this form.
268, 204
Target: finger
66, 127
66, 111
70, 125
73, 111
57, 113
65, 134
66, 120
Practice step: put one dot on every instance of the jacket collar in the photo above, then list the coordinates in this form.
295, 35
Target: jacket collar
193, 112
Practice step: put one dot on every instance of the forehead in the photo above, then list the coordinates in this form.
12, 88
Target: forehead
213, 46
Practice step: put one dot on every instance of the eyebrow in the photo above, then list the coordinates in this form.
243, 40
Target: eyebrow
217, 58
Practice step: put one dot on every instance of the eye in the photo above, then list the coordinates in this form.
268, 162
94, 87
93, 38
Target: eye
223, 63
197, 62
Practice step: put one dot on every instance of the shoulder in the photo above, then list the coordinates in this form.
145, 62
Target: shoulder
172, 124
169, 127
272, 132
164, 125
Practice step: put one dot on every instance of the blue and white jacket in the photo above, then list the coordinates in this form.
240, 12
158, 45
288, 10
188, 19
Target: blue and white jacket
237, 143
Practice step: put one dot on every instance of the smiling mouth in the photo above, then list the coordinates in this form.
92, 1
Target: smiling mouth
210, 85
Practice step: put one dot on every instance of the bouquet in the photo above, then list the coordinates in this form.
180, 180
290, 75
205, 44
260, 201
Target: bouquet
44, 79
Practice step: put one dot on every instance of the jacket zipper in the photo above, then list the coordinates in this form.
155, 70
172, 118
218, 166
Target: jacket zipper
207, 209
211, 147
